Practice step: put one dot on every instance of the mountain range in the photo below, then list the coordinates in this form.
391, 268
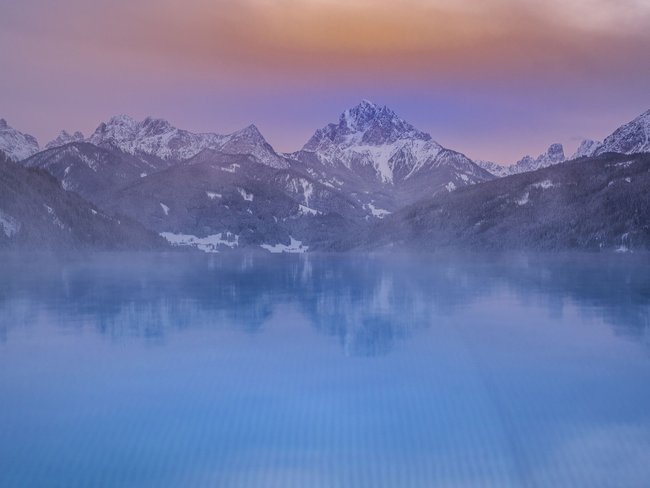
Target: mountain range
595, 203
630, 138
553, 155
371, 171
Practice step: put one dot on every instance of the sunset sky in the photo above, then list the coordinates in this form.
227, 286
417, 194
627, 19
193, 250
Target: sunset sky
495, 79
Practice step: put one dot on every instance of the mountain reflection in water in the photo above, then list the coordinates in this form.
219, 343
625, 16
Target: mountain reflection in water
173, 370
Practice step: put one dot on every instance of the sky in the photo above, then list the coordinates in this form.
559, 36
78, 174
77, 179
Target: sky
494, 79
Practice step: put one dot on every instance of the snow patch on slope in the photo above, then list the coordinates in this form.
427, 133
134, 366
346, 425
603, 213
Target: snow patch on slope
304, 210
10, 226
544, 185
212, 243
245, 195
230, 169
380, 213
524, 199
295, 246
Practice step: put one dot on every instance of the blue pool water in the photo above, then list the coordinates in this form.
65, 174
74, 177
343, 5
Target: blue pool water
325, 371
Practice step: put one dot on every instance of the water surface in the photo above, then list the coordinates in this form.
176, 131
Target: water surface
325, 371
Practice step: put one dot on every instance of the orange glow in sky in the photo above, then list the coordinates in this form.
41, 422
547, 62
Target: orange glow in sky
473, 73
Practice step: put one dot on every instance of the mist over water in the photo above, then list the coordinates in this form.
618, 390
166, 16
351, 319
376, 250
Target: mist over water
344, 370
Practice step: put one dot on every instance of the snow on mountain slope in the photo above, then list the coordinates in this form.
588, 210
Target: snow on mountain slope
157, 137
260, 204
91, 171
495, 168
371, 136
151, 136
630, 138
16, 145
633, 137
553, 155
586, 148
382, 161
65, 138
590, 203
249, 141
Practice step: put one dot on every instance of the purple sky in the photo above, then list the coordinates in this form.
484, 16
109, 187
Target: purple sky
495, 79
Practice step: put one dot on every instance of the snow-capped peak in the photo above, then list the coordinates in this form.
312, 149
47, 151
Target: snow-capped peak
153, 126
373, 124
495, 168
152, 136
586, 148
119, 131
633, 137
157, 137
120, 125
250, 141
16, 145
123, 119
366, 124
360, 116
64, 138
370, 136
553, 155
250, 132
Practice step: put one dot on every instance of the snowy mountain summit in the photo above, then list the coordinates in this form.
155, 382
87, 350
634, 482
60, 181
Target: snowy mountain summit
633, 137
553, 155
157, 137
369, 138
250, 141
586, 148
630, 138
16, 145
368, 124
64, 138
